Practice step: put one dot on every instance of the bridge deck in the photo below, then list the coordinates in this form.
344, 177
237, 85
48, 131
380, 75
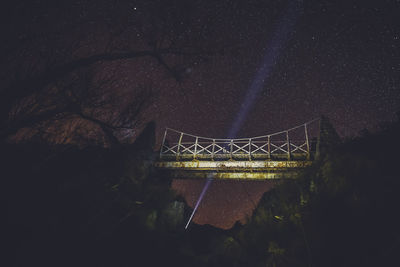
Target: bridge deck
253, 170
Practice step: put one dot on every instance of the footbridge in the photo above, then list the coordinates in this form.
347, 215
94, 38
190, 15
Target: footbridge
272, 156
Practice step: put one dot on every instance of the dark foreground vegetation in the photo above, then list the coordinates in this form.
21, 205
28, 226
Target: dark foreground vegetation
107, 207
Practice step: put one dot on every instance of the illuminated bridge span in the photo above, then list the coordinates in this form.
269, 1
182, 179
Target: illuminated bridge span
272, 156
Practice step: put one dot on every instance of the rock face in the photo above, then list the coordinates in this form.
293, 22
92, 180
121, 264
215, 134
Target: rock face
139, 156
146, 140
174, 214
328, 137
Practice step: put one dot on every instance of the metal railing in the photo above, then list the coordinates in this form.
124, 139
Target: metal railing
276, 145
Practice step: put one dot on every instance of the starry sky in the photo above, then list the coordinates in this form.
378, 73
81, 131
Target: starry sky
335, 58
341, 59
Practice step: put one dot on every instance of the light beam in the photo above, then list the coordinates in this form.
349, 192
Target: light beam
281, 35
202, 194
279, 38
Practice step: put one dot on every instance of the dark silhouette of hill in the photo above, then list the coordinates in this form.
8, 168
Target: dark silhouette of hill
66, 206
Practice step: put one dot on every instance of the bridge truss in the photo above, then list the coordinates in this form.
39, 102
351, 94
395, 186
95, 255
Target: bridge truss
271, 156
182, 146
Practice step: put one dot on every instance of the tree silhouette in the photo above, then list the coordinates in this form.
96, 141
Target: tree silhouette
60, 67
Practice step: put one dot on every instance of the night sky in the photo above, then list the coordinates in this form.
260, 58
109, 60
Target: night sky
336, 58
342, 60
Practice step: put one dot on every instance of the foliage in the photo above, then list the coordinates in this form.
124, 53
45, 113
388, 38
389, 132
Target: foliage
341, 212
108, 207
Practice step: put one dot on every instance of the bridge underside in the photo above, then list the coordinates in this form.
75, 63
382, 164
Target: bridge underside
231, 169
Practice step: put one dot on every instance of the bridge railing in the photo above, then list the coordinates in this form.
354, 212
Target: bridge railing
178, 145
